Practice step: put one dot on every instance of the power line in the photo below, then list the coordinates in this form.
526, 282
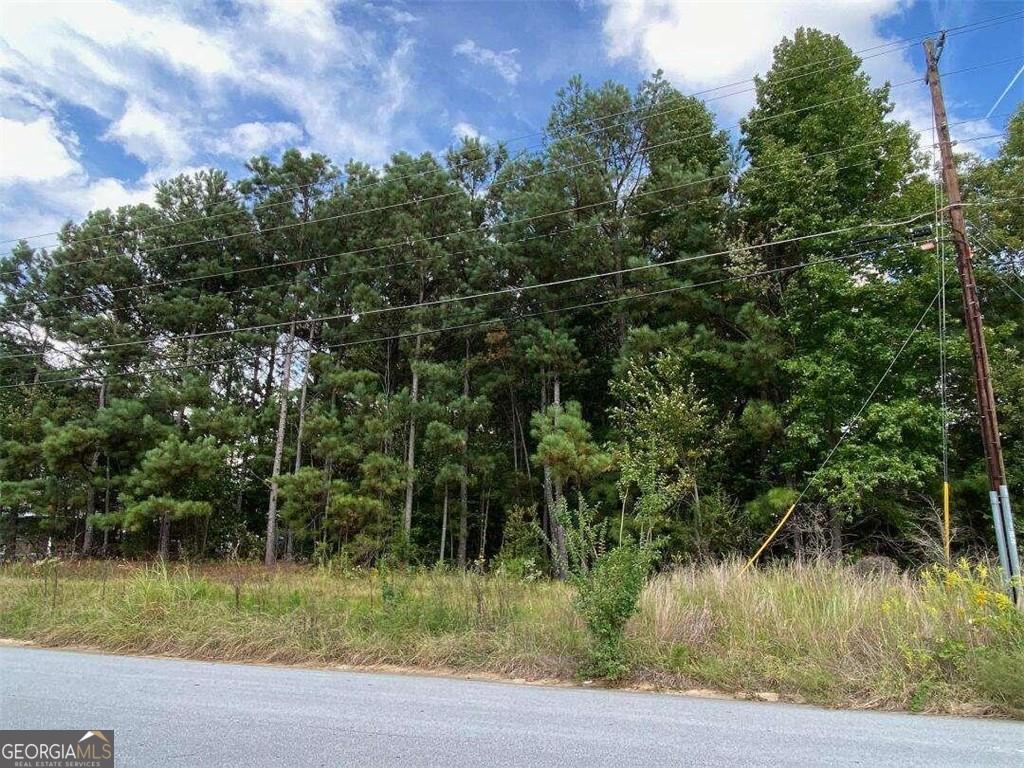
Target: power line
408, 201
280, 227
842, 438
1011, 264
489, 321
472, 230
649, 266
345, 273
500, 291
364, 187
408, 242
488, 294
999, 277
381, 267
896, 45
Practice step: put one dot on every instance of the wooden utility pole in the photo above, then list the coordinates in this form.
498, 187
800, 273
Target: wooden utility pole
999, 496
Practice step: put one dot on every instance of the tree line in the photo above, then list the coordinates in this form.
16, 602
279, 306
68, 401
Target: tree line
433, 360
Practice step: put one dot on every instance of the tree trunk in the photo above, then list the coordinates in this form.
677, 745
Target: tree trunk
164, 547
410, 458
557, 529
485, 502
302, 401
289, 553
106, 509
517, 422
42, 356
697, 521
515, 443
622, 515
620, 316
558, 536
463, 521
11, 539
464, 481
268, 382
90, 499
387, 370
549, 500
254, 387
444, 524
328, 476
836, 534
270, 552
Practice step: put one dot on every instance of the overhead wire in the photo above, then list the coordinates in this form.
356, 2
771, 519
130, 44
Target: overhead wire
489, 321
995, 273
1013, 265
456, 299
849, 430
487, 294
471, 230
335, 217
896, 45
413, 201
501, 291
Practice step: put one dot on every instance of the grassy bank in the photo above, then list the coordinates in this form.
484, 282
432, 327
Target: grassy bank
941, 642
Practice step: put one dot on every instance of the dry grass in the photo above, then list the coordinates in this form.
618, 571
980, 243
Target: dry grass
943, 642
828, 635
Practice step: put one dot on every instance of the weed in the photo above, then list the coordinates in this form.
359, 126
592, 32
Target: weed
936, 642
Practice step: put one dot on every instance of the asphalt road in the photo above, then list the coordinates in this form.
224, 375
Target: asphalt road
183, 713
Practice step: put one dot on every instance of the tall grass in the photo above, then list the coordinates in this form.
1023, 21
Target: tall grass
944, 641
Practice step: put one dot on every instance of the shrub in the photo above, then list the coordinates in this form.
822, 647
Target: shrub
608, 585
607, 597
521, 554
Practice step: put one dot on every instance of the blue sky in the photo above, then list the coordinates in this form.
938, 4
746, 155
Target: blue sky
99, 99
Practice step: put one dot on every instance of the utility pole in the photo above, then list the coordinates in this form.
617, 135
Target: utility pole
999, 495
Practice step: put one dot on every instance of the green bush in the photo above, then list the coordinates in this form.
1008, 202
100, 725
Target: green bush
607, 597
608, 584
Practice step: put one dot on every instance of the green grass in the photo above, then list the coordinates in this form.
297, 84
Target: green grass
944, 641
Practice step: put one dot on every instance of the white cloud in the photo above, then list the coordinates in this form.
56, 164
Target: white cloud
43, 184
42, 207
503, 62
150, 68
708, 44
249, 139
150, 135
704, 45
401, 17
464, 130
34, 151
92, 53
397, 15
180, 83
